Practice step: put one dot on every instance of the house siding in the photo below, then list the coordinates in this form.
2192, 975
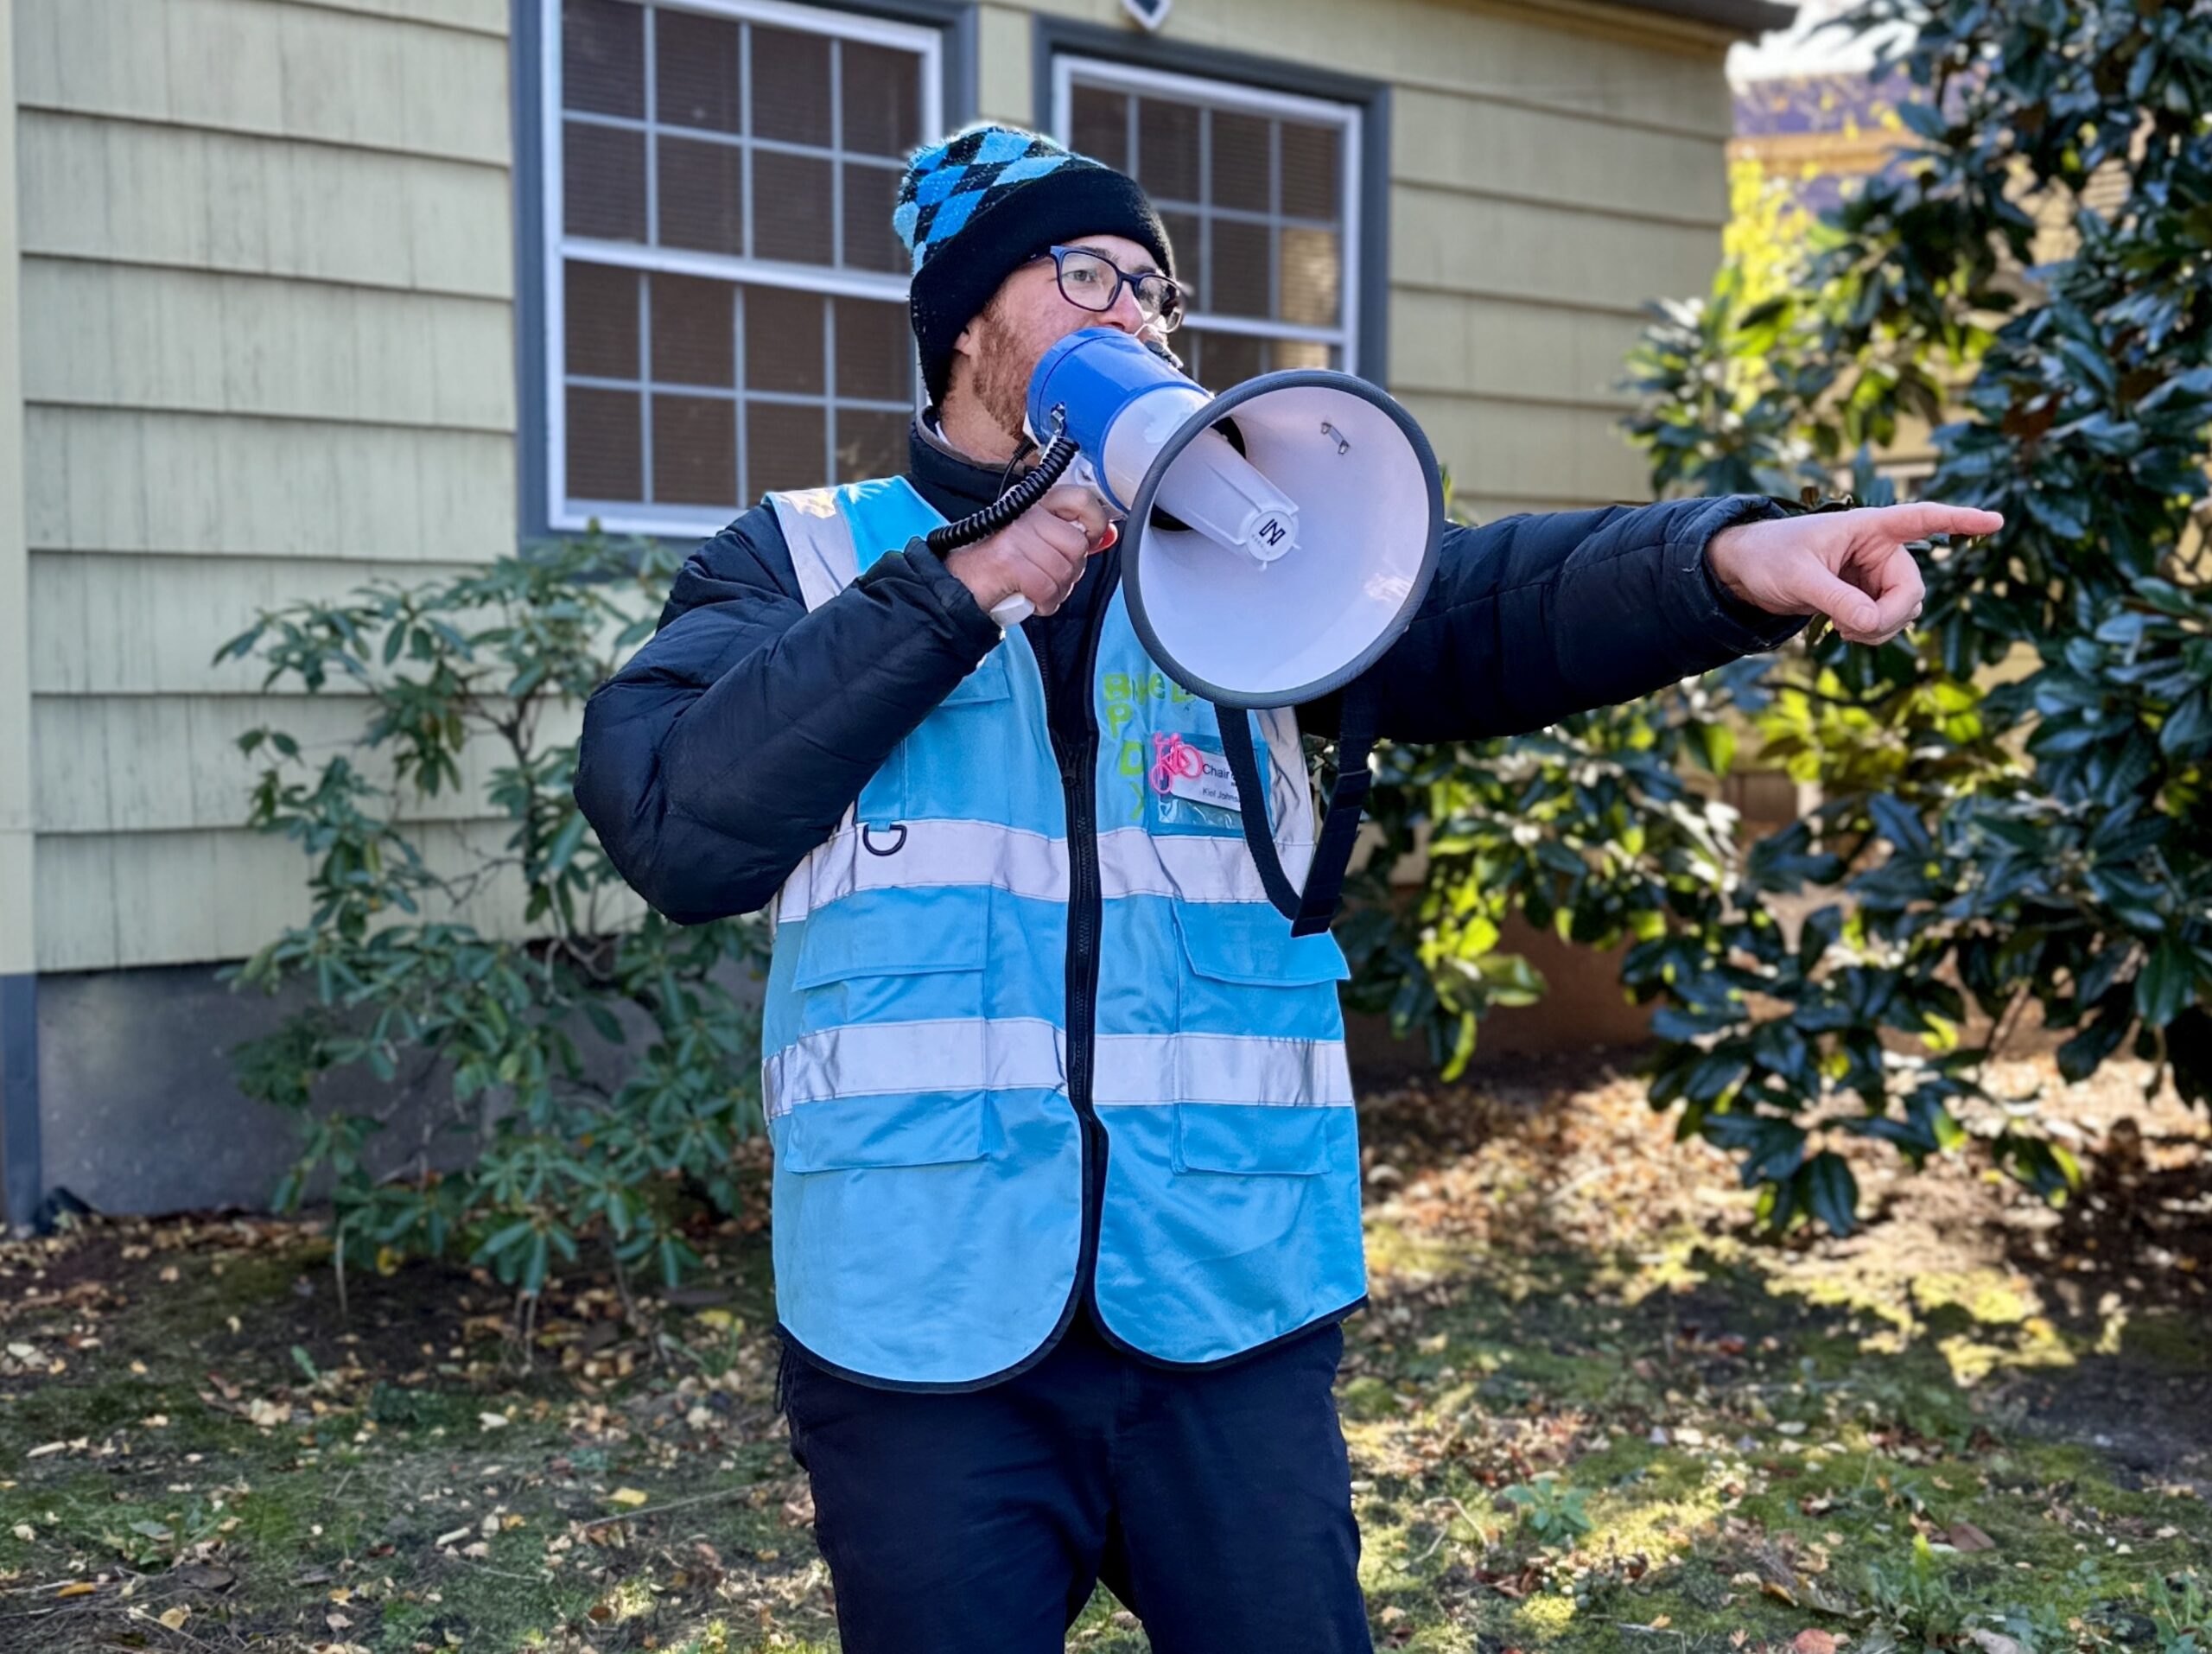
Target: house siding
18, 812
270, 351
267, 297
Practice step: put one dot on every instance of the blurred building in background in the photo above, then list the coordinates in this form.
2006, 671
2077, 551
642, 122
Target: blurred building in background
1817, 134
1817, 115
303, 292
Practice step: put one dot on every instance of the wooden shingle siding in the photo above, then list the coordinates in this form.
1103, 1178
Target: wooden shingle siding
1571, 163
18, 803
267, 282
1550, 175
179, 768
149, 625
125, 336
283, 68
155, 898
1510, 451
1510, 350
1448, 243
112, 479
138, 193
479, 17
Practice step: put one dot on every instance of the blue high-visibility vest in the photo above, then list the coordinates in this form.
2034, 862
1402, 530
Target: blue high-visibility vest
933, 1041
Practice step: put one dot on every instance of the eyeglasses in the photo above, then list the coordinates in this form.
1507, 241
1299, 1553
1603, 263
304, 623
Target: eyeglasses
1090, 281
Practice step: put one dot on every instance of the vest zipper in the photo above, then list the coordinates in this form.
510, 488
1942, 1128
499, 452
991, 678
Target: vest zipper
1078, 778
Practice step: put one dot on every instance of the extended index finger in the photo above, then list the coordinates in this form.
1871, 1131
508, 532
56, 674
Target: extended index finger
1916, 519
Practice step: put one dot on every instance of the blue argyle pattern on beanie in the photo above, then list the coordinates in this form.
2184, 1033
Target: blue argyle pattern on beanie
946, 184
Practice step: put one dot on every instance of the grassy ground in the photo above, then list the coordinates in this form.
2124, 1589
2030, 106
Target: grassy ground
1587, 1412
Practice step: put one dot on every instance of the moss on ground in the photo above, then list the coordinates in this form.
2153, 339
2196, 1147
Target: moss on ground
1650, 1435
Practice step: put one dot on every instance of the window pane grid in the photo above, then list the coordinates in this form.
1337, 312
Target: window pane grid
647, 424
806, 165
661, 410
1274, 213
751, 187
737, 140
836, 168
723, 393
652, 121
1255, 198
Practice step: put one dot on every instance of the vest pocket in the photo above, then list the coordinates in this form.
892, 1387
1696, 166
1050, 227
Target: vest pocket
872, 940
1249, 944
893, 1071
912, 774
852, 1133
1252, 1139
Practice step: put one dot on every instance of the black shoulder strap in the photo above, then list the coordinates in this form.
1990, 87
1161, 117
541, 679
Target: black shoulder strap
1309, 912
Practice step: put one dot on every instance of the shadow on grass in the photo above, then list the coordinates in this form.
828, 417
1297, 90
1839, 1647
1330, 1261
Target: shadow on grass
1587, 1411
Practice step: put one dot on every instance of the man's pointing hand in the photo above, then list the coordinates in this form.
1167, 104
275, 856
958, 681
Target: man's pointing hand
1852, 566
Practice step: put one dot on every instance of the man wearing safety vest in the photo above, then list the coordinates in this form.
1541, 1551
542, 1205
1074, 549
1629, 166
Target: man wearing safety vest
1066, 1188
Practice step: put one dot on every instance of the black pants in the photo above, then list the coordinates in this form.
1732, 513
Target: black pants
1216, 1504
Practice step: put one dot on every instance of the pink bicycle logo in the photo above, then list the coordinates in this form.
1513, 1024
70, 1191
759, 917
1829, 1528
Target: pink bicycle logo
1173, 759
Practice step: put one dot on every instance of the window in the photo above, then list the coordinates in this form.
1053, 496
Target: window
725, 297
1259, 191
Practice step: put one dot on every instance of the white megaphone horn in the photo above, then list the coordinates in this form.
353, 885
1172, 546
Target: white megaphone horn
1275, 538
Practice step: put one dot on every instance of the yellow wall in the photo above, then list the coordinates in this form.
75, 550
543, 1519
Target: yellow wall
266, 291
18, 954
268, 334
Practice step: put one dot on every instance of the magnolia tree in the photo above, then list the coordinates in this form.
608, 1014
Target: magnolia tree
2011, 816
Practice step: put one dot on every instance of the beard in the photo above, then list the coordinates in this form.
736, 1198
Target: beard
1004, 364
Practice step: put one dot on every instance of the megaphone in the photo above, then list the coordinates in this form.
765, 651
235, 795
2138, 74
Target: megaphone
1276, 538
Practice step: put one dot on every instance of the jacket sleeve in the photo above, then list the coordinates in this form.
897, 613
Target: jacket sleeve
1534, 617
729, 745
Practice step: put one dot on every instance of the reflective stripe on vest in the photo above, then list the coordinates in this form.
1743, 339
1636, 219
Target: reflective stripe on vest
1140, 1069
883, 1059
887, 1058
1131, 862
820, 540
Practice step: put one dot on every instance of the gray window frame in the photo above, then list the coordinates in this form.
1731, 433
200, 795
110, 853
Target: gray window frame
1368, 281
536, 263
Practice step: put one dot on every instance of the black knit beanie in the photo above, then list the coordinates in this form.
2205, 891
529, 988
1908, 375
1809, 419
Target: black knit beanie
975, 208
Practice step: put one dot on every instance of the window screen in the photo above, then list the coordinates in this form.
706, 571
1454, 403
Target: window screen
1258, 195
727, 295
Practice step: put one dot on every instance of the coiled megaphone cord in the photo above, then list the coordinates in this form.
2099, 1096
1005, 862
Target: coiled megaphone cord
1059, 454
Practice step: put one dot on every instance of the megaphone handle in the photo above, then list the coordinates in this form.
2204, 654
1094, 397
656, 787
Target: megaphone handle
1010, 612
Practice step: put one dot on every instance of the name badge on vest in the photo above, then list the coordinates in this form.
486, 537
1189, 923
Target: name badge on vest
1212, 784
1197, 777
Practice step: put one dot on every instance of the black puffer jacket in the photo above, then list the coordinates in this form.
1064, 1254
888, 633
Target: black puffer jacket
730, 745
